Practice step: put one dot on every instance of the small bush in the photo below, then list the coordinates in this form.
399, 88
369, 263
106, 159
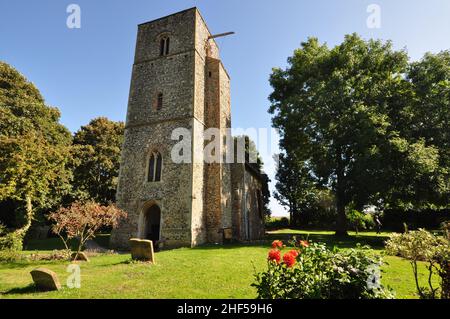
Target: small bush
311, 271
369, 221
10, 255
360, 221
421, 245
84, 221
9, 240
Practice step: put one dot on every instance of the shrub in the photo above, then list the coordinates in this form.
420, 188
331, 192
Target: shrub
83, 221
369, 221
311, 271
9, 240
360, 221
277, 223
421, 245
10, 255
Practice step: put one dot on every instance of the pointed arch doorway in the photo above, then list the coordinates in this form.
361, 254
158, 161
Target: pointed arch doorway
152, 223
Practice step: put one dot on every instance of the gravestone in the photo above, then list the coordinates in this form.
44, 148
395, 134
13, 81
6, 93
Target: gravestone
45, 279
228, 234
81, 257
142, 250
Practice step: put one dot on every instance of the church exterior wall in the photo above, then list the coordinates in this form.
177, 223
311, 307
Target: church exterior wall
197, 200
134, 192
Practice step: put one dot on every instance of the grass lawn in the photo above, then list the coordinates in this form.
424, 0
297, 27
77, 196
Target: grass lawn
203, 272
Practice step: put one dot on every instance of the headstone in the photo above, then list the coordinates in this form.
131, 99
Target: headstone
81, 257
142, 250
228, 233
45, 279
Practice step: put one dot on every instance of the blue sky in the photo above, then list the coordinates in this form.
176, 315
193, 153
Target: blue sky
86, 72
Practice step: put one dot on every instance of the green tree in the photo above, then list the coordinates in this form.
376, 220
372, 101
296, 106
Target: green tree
430, 120
253, 158
34, 149
96, 153
294, 188
343, 111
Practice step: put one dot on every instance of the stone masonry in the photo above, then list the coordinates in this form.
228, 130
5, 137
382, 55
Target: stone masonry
185, 86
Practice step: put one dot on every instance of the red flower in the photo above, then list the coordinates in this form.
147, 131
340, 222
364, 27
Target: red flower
293, 252
277, 244
289, 259
274, 255
304, 243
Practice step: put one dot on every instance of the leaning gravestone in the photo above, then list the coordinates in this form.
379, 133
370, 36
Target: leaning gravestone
142, 250
80, 257
45, 279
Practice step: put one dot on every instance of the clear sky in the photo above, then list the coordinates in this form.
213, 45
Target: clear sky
86, 72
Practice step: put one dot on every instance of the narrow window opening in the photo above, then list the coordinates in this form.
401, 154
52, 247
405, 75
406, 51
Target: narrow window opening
159, 103
158, 168
167, 46
162, 45
155, 167
151, 169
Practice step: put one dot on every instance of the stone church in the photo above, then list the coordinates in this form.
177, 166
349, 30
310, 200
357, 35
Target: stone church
179, 81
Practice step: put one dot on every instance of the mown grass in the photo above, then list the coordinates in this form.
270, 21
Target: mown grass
203, 272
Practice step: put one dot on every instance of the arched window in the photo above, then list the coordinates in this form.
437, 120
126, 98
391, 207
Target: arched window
159, 102
164, 46
154, 167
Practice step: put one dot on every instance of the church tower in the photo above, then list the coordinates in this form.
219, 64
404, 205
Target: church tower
178, 81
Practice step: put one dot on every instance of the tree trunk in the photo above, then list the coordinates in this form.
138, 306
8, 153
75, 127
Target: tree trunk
291, 214
341, 224
295, 215
20, 233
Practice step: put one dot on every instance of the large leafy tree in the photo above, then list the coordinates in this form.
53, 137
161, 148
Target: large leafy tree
34, 149
430, 120
343, 112
96, 153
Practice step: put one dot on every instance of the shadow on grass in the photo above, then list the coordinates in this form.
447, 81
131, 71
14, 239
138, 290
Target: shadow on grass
56, 244
31, 288
48, 244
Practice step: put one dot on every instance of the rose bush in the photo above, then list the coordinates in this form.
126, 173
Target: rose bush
311, 271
